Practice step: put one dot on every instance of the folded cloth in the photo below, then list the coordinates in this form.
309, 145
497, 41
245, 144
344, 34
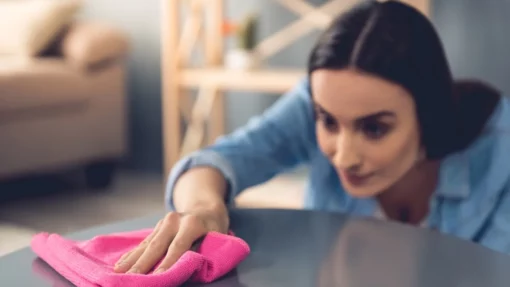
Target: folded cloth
90, 263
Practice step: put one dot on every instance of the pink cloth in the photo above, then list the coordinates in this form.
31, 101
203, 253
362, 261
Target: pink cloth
90, 263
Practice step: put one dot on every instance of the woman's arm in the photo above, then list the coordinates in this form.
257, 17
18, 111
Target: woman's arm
279, 139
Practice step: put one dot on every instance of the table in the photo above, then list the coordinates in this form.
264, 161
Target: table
305, 248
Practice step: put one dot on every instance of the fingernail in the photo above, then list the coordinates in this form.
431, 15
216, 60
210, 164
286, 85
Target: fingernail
120, 266
133, 270
159, 270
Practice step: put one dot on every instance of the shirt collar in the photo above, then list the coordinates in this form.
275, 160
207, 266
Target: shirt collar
454, 177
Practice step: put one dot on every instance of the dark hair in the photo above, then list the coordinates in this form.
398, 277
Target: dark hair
396, 42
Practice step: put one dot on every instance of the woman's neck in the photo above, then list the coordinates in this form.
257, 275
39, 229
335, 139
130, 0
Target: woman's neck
408, 199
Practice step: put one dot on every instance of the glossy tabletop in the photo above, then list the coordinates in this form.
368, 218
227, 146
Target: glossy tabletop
304, 248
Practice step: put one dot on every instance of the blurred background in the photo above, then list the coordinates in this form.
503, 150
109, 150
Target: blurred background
81, 89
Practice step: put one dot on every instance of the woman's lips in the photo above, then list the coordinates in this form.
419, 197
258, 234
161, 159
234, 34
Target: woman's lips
355, 179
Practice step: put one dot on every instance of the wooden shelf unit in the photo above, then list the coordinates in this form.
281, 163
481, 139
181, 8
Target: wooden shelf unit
202, 29
264, 80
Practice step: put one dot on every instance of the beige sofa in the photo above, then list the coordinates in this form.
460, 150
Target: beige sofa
67, 106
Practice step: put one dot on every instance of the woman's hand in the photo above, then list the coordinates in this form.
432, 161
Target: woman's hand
172, 237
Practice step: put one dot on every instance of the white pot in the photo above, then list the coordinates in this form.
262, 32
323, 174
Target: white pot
241, 60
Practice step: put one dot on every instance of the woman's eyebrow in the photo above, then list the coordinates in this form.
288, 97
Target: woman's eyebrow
369, 117
376, 116
321, 109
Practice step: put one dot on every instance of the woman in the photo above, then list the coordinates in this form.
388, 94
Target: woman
385, 131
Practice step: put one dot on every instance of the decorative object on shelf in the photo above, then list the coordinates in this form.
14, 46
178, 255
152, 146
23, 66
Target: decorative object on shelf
243, 56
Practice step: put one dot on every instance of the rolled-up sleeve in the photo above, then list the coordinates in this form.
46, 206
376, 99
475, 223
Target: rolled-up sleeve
279, 139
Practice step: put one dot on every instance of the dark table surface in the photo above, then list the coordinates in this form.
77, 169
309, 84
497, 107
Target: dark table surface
303, 248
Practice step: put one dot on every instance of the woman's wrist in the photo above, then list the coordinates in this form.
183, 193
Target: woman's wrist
215, 214
206, 206
200, 187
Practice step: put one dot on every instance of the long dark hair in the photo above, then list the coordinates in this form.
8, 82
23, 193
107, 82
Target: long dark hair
396, 42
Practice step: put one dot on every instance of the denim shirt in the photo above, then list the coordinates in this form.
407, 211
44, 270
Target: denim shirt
471, 200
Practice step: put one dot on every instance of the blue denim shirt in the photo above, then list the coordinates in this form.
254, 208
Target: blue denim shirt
471, 201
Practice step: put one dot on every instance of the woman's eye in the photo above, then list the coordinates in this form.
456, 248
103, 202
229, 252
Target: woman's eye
374, 130
329, 123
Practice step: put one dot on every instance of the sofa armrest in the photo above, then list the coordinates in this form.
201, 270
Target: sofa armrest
88, 44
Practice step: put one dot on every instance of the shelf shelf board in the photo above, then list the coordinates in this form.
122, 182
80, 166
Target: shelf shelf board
274, 80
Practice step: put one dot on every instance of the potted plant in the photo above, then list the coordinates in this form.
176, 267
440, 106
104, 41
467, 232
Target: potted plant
243, 56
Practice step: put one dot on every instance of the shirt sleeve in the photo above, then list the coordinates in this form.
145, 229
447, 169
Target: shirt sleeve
496, 234
279, 139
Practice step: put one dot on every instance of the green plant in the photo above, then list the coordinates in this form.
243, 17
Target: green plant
247, 33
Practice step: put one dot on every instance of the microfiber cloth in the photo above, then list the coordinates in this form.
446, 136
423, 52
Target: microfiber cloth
90, 263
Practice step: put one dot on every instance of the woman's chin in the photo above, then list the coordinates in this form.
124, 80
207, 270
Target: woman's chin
356, 192
366, 188
363, 191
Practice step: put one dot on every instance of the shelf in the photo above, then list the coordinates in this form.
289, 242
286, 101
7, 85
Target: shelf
202, 29
261, 80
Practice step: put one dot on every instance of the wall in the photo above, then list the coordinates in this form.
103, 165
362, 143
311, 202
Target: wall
141, 20
473, 49
476, 38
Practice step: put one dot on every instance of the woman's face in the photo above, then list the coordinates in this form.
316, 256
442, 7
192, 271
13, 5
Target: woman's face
367, 127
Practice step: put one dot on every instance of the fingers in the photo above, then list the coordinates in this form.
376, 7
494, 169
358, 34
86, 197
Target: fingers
127, 260
190, 230
157, 246
173, 236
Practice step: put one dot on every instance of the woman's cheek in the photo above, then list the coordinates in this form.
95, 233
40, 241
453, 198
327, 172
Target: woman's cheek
325, 140
395, 155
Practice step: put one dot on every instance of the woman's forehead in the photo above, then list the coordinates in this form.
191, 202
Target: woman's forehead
348, 94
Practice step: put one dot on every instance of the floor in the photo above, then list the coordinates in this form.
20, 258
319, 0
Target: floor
61, 206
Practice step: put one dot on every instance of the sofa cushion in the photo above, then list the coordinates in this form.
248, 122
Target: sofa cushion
90, 44
29, 84
28, 27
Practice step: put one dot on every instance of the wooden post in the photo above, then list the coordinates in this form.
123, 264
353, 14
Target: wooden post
195, 133
191, 31
170, 22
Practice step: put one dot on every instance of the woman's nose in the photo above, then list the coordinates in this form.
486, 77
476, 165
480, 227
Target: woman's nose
346, 156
